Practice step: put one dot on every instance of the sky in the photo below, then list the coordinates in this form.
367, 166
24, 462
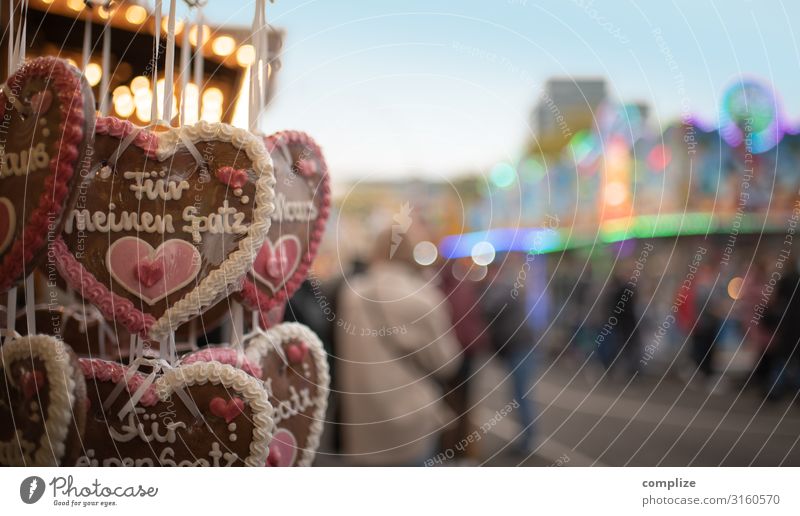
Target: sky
436, 89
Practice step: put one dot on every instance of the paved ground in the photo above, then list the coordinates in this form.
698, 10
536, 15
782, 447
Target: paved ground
644, 421
586, 419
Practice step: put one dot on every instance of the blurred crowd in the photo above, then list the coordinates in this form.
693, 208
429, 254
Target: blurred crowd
405, 340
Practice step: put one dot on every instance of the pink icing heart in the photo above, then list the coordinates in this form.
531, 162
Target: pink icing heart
40, 101
229, 410
282, 449
296, 353
233, 177
149, 272
152, 274
277, 262
31, 381
7, 221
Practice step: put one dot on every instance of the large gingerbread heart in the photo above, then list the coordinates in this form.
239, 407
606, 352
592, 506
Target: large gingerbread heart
230, 423
166, 223
291, 361
302, 205
47, 114
42, 403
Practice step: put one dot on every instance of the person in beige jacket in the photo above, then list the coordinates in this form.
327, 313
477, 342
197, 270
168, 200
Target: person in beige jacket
396, 348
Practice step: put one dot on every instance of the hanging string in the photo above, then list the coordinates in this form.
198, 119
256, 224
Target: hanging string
185, 69
11, 313
156, 48
10, 62
258, 70
106, 65
169, 66
30, 304
22, 35
198, 56
86, 53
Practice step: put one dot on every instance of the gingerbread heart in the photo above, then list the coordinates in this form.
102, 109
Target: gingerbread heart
202, 414
47, 113
42, 403
166, 223
291, 361
302, 206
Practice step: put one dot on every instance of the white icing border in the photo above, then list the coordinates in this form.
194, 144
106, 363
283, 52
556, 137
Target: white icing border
260, 346
12, 222
231, 378
227, 277
62, 387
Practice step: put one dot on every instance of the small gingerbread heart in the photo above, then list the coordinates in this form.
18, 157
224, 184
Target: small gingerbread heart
302, 206
47, 110
291, 361
42, 403
166, 223
201, 414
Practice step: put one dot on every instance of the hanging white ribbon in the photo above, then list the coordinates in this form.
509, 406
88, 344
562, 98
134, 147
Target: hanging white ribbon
259, 68
11, 42
198, 55
106, 66
30, 304
11, 312
156, 48
186, 64
169, 66
86, 52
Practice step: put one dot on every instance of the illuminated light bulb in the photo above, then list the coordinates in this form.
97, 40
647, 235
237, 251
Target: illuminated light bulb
223, 46
211, 113
103, 12
75, 5
72, 62
213, 96
121, 91
142, 100
48, 2
140, 83
136, 14
93, 73
160, 99
735, 287
483, 253
193, 35
165, 25
124, 105
616, 193
246, 55
191, 95
425, 253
